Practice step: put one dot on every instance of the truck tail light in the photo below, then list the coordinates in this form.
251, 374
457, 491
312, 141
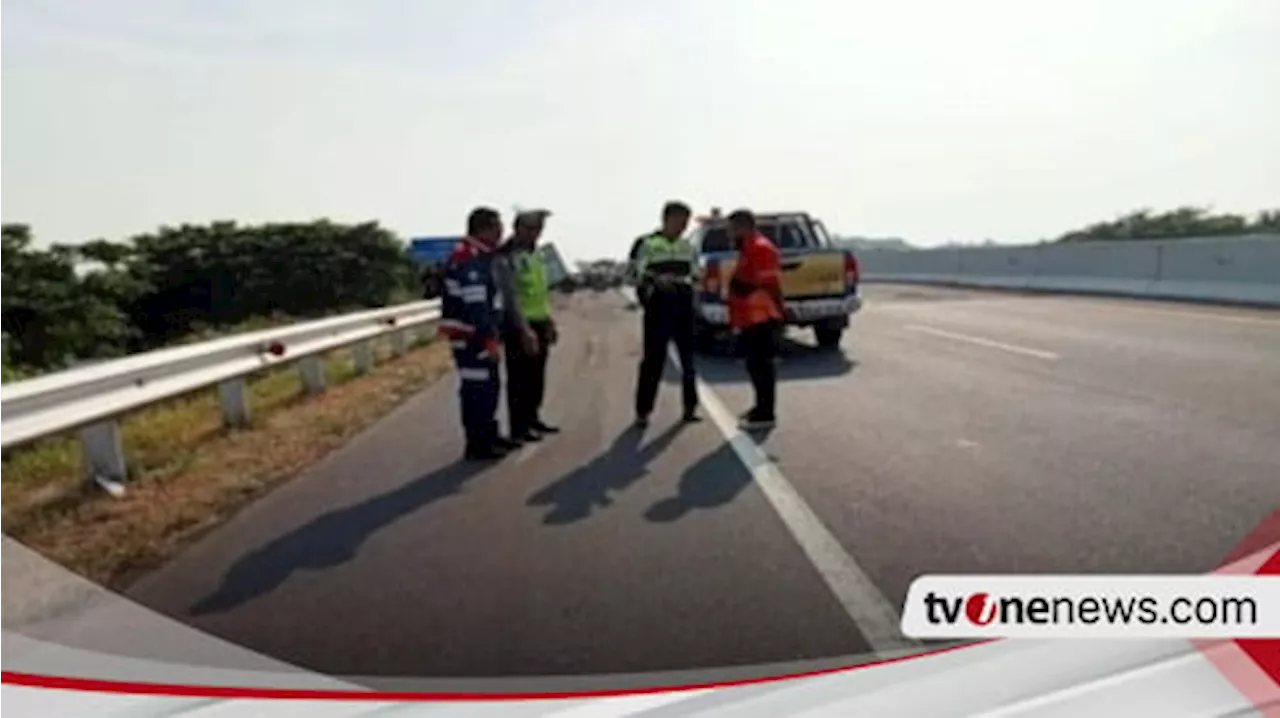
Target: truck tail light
711, 277
850, 269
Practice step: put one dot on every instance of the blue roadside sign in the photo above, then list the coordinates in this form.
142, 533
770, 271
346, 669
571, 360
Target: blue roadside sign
429, 250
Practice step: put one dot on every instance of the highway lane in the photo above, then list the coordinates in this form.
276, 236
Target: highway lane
957, 431
988, 432
603, 550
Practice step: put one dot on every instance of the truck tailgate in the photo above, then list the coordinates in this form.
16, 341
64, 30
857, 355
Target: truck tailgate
805, 273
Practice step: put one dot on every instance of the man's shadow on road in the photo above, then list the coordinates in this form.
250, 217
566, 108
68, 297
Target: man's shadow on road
574, 496
715, 480
330, 540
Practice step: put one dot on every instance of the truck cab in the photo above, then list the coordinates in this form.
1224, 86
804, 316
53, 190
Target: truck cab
819, 280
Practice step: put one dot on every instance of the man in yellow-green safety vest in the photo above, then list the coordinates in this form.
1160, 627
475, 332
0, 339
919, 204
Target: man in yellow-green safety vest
529, 330
667, 266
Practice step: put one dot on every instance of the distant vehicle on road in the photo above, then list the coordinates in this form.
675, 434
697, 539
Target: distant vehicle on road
570, 284
819, 280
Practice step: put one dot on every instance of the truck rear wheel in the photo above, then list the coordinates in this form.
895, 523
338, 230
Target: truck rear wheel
828, 337
708, 341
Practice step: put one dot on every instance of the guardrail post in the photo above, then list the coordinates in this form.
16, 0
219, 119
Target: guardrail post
311, 370
234, 401
103, 451
362, 353
397, 343
427, 333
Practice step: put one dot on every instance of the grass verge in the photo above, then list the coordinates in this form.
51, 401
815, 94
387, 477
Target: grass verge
187, 473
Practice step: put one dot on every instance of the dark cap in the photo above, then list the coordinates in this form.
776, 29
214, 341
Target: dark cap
742, 218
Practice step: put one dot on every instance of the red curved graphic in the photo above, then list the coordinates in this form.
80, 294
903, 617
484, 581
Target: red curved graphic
1252, 665
98, 685
1265, 654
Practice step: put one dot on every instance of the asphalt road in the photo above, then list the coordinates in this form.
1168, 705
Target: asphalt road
956, 431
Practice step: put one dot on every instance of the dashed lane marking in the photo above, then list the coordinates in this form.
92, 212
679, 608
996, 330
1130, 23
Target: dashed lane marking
989, 343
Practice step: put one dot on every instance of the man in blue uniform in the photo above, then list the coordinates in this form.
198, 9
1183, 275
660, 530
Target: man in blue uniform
470, 319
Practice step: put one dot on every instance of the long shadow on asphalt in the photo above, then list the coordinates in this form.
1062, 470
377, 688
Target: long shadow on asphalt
574, 496
715, 480
331, 539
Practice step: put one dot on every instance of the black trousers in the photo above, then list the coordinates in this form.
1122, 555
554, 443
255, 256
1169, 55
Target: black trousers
526, 377
759, 345
668, 318
478, 392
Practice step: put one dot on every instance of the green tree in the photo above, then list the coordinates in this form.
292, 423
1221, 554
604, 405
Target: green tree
50, 314
102, 298
1267, 221
223, 274
1182, 222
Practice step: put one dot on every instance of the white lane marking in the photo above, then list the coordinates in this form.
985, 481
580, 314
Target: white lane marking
527, 452
991, 343
876, 619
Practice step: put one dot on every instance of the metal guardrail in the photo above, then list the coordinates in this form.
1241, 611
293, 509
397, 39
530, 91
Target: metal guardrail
91, 398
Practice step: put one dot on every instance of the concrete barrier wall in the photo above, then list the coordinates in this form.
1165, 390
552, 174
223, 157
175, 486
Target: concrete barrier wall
922, 265
1106, 267
1242, 270
1010, 267
1245, 269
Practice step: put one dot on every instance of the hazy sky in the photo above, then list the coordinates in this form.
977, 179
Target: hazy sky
927, 120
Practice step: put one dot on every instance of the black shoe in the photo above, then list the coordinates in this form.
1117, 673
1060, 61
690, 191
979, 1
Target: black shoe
502, 443
545, 428
753, 421
691, 417
642, 422
528, 436
484, 453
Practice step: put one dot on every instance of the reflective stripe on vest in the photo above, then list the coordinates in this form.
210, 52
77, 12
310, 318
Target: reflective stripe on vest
661, 255
529, 271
